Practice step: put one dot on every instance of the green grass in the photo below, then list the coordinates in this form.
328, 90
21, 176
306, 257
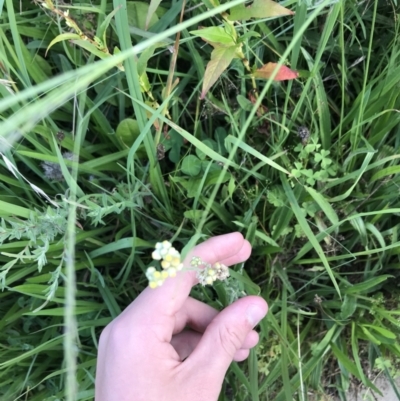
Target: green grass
322, 215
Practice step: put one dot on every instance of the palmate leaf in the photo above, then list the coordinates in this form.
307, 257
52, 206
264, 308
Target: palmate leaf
221, 57
259, 9
284, 73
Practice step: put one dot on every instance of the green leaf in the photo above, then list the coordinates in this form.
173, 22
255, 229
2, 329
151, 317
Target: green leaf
62, 37
220, 59
384, 332
307, 230
137, 15
215, 35
208, 142
128, 130
191, 165
259, 9
194, 215
90, 47
366, 285
249, 35
349, 306
370, 336
152, 9
324, 205
345, 361
144, 58
211, 3
230, 30
104, 25
244, 103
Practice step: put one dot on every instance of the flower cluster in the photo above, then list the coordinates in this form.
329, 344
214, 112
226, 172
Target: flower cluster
207, 273
170, 262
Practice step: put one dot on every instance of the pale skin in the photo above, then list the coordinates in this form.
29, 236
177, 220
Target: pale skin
148, 353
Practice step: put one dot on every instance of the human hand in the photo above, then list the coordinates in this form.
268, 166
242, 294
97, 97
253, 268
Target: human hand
146, 354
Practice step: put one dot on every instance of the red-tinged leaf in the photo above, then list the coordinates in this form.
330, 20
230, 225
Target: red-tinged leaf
221, 57
259, 9
284, 73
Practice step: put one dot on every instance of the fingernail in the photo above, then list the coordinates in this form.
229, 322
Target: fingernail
254, 314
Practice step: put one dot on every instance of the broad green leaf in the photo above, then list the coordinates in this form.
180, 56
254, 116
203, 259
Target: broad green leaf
62, 37
324, 205
345, 361
348, 307
384, 332
215, 35
220, 60
137, 15
370, 336
211, 3
191, 165
144, 58
11, 209
284, 73
195, 215
230, 29
128, 130
85, 44
365, 286
244, 103
152, 9
259, 9
208, 142
250, 34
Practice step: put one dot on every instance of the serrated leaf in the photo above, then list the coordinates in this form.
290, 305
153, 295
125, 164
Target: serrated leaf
284, 73
215, 35
259, 9
62, 37
220, 59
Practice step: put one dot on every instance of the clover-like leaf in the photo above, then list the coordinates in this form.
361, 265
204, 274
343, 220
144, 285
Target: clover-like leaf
284, 73
191, 165
259, 9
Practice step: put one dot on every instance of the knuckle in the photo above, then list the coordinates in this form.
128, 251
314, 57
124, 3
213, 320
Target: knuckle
229, 339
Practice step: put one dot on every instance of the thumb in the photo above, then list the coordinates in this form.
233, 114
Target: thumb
225, 335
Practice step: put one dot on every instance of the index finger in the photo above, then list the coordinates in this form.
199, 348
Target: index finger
168, 299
